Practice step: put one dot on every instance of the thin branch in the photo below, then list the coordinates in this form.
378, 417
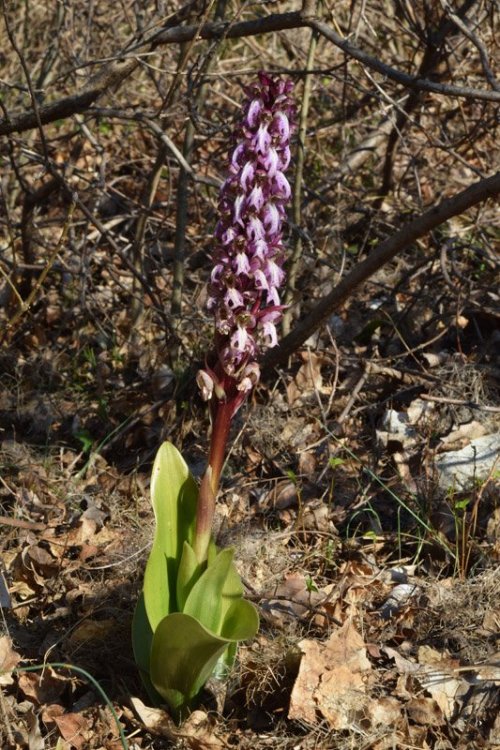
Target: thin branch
423, 224
478, 44
181, 213
114, 73
411, 82
293, 265
25, 305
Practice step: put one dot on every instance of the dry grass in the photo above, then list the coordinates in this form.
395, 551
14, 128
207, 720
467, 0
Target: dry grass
97, 371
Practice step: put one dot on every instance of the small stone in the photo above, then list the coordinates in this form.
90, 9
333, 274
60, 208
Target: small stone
460, 469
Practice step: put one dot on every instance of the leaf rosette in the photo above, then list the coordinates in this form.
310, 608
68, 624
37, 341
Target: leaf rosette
190, 616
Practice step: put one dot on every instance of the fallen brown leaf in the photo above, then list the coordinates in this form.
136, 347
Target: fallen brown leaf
155, 719
35, 739
332, 679
308, 378
92, 630
74, 729
425, 711
43, 688
8, 660
197, 731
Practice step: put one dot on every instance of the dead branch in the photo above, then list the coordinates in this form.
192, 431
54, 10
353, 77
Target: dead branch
411, 82
114, 73
426, 222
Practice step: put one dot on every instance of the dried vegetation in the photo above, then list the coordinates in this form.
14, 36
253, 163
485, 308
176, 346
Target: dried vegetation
377, 580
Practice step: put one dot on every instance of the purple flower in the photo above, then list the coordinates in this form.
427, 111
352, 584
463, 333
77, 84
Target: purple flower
248, 256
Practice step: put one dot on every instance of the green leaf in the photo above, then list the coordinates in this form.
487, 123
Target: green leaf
189, 572
334, 461
173, 496
205, 600
142, 639
241, 622
184, 653
183, 656
232, 591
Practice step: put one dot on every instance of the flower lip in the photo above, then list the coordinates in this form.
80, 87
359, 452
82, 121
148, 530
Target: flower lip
254, 109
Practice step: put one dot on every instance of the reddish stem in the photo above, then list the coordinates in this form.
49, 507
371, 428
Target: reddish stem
220, 433
210, 483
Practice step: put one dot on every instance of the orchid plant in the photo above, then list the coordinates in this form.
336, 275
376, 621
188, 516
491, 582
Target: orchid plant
191, 613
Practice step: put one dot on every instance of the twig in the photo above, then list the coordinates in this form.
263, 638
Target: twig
39, 282
181, 214
297, 187
426, 222
20, 523
411, 82
144, 119
483, 54
433, 55
115, 72
460, 402
357, 388
29, 83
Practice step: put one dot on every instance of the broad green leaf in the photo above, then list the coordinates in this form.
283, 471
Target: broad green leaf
142, 635
232, 591
241, 621
225, 662
188, 574
142, 639
205, 599
173, 496
183, 657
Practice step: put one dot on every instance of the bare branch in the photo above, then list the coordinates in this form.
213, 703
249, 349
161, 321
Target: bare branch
478, 43
411, 82
426, 222
114, 73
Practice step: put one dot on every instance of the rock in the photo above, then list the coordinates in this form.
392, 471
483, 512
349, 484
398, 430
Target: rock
460, 469
395, 427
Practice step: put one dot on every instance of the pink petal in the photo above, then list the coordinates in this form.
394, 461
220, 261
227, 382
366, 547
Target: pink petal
237, 154
274, 273
254, 110
260, 279
233, 298
247, 175
260, 249
256, 198
255, 229
281, 186
273, 296
239, 204
262, 139
270, 161
239, 339
270, 331
285, 157
280, 120
271, 218
242, 263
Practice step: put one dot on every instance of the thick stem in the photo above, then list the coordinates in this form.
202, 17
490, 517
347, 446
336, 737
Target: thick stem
218, 442
204, 517
205, 510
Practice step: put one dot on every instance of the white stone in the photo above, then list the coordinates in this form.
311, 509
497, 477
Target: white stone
460, 469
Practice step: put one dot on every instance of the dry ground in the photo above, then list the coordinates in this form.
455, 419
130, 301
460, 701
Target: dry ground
377, 583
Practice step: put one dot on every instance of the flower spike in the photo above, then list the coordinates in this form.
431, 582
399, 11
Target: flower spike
248, 256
